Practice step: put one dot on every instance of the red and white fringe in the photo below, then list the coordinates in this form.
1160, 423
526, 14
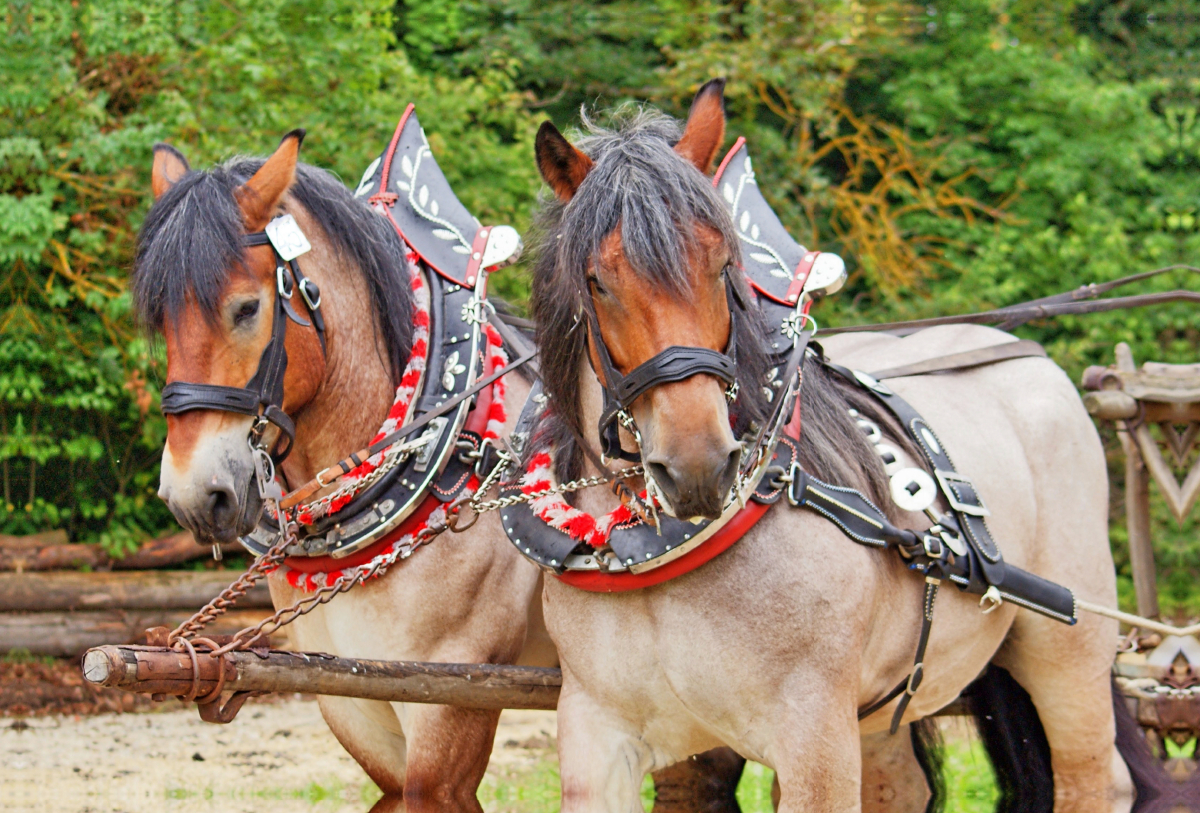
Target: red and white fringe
497, 416
555, 512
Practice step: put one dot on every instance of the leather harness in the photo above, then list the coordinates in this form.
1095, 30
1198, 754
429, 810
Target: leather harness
958, 547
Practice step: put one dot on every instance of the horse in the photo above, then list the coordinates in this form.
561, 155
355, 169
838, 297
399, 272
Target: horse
466, 599
776, 645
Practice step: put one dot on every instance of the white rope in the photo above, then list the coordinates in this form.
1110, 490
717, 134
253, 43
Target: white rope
1138, 621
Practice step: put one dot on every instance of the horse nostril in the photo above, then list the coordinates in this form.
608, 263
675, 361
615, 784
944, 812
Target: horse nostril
729, 473
222, 505
666, 483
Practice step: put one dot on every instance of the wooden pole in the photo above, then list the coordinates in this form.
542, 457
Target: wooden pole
479, 686
1137, 508
128, 590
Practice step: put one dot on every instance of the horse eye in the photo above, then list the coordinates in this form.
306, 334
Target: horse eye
246, 312
594, 282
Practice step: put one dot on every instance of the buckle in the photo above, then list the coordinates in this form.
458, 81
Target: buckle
934, 548
947, 479
312, 301
283, 282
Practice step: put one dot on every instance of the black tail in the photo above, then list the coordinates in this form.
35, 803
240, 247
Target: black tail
1156, 791
927, 747
1015, 742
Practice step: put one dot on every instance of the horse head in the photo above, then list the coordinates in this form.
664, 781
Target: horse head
642, 256
244, 326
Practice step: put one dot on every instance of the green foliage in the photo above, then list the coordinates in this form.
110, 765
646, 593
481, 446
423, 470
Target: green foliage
87, 89
961, 154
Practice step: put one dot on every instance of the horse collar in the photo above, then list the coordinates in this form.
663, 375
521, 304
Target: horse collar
383, 497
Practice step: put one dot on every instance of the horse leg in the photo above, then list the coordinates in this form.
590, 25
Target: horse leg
703, 783
360, 726
601, 764
894, 780
818, 756
448, 753
1066, 671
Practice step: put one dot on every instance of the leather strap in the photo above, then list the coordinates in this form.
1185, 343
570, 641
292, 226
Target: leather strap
961, 361
676, 363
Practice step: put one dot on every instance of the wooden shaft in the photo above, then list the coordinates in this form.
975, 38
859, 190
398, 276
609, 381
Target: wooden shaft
127, 590
1137, 521
480, 686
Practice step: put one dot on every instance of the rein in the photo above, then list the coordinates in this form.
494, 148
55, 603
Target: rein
1076, 302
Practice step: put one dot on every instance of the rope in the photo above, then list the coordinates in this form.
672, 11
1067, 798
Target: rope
1137, 620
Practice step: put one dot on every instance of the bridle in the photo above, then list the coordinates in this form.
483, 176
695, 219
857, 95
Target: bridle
262, 397
676, 363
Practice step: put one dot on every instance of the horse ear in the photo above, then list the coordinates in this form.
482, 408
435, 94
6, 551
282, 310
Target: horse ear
258, 196
705, 130
169, 167
562, 166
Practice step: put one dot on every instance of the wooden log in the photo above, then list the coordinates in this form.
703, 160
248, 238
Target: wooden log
479, 686
65, 634
128, 590
1110, 405
50, 550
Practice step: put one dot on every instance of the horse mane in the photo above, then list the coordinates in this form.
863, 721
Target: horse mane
639, 184
192, 240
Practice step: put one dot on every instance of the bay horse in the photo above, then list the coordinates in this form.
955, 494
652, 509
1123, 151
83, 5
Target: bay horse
461, 599
774, 646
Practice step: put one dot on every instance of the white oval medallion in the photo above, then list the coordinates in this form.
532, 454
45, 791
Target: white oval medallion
930, 440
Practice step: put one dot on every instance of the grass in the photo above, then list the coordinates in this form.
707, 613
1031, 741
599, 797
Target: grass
970, 787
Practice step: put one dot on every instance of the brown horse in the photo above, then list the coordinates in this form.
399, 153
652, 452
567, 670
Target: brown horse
773, 647
461, 599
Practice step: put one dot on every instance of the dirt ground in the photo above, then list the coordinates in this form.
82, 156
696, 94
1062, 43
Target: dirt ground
274, 757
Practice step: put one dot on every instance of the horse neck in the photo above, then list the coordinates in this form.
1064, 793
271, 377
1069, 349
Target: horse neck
357, 391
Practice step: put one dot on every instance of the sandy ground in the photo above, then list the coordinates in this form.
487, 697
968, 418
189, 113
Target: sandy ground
274, 757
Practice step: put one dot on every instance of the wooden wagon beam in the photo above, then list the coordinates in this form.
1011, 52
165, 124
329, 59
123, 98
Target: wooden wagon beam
480, 686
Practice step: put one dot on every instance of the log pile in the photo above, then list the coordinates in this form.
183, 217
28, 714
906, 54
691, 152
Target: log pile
49, 610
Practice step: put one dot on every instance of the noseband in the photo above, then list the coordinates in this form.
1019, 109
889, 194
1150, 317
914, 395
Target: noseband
262, 397
676, 363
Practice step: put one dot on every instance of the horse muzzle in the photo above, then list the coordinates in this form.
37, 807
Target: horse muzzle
214, 496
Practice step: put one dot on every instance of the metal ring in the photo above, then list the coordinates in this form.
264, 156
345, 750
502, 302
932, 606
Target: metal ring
215, 694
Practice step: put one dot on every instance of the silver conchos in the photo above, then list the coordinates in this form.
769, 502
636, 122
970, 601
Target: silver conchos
913, 489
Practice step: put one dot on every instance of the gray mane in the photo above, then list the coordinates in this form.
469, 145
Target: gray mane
639, 184
192, 241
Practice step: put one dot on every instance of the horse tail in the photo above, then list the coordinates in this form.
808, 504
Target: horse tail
1015, 742
927, 747
1150, 780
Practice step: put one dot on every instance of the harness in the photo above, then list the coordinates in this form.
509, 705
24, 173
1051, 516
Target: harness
625, 551
388, 492
676, 363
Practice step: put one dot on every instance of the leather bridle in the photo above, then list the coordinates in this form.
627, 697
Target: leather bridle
676, 363
262, 397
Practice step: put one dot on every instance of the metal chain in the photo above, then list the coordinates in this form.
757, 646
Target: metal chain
565, 488
324, 595
258, 571
273, 557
